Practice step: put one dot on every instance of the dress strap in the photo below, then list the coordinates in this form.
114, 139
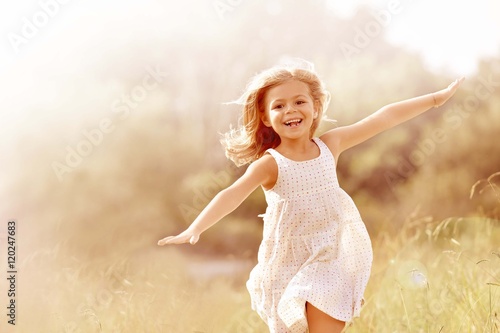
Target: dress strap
320, 143
277, 156
325, 151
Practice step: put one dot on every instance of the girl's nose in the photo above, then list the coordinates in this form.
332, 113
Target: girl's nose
290, 109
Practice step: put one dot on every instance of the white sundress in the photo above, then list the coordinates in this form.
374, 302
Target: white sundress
315, 247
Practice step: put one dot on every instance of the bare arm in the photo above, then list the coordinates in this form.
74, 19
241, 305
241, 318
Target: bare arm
343, 138
226, 201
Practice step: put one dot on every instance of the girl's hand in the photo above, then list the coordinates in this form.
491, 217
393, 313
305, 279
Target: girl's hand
442, 96
186, 236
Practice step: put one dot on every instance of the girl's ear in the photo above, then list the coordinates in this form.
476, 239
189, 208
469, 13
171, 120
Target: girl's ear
264, 120
316, 109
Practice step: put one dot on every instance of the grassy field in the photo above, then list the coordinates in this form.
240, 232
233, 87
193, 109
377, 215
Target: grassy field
430, 277
111, 121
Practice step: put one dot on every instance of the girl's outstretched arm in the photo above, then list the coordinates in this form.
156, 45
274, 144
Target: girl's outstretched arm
260, 172
342, 138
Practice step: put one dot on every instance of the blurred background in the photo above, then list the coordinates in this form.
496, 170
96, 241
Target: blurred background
111, 114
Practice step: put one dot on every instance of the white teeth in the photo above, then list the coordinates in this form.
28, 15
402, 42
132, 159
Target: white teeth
293, 121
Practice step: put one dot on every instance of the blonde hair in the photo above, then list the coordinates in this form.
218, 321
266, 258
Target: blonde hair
250, 141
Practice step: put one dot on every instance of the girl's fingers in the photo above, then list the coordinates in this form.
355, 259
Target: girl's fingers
457, 82
179, 239
167, 240
163, 241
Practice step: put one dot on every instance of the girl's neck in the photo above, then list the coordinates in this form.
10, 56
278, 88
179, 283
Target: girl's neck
298, 149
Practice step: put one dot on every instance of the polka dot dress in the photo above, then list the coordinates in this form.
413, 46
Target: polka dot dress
315, 247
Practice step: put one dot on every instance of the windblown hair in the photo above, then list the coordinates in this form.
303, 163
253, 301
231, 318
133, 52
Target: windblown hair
250, 141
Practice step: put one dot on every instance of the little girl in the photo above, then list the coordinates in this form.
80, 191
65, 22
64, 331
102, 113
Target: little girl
315, 257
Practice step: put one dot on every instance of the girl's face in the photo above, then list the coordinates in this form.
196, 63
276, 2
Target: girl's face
290, 109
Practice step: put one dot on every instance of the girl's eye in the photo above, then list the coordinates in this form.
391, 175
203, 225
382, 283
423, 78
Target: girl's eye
300, 102
279, 106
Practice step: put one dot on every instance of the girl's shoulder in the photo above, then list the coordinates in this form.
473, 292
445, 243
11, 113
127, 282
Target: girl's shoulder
266, 162
267, 166
331, 140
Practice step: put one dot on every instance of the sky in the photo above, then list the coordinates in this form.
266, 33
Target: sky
470, 29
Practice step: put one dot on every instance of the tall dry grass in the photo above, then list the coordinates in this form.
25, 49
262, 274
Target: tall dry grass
435, 277
430, 277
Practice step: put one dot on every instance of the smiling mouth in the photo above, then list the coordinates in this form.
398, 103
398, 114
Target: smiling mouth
293, 122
